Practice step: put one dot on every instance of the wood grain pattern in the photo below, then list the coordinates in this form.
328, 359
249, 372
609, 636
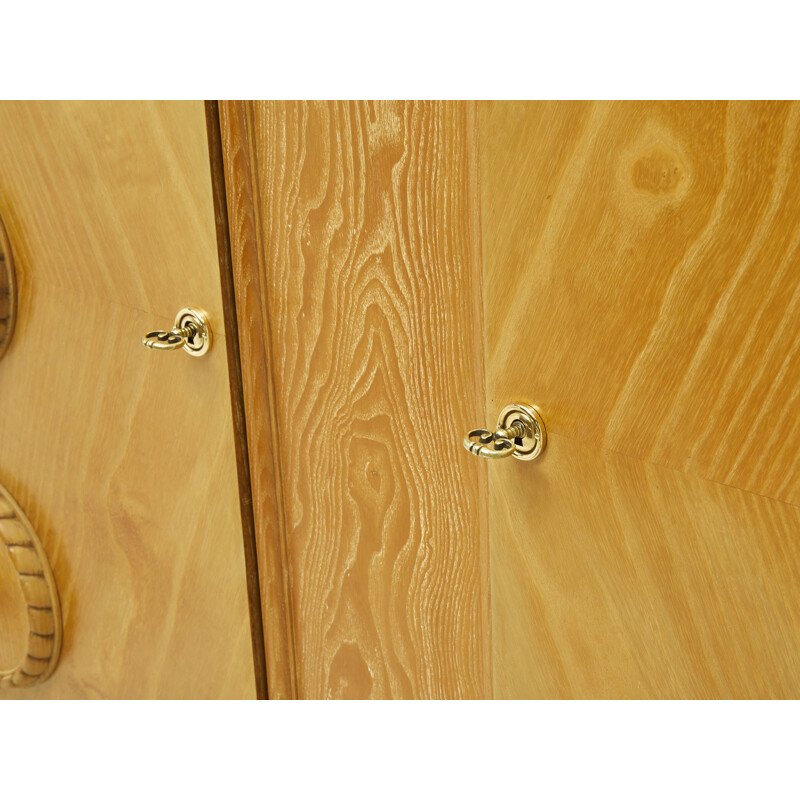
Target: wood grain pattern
43, 629
642, 286
122, 458
650, 255
358, 294
614, 578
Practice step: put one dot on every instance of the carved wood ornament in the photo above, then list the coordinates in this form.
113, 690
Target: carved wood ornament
16, 533
8, 292
41, 597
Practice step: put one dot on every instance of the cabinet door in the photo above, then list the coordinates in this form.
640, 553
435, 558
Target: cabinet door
642, 286
404, 271
121, 457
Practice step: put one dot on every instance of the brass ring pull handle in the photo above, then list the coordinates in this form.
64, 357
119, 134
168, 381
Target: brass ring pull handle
8, 292
41, 597
191, 332
520, 433
486, 444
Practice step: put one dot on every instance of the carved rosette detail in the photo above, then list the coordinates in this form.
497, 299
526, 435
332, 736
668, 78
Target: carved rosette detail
8, 292
41, 597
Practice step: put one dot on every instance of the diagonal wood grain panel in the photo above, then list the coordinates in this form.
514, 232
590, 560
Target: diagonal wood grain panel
649, 253
122, 458
369, 292
637, 581
642, 285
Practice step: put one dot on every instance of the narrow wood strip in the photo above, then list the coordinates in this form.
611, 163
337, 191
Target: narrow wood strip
237, 395
259, 402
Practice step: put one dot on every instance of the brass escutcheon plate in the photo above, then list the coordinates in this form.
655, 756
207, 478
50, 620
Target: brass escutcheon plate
528, 447
8, 292
197, 343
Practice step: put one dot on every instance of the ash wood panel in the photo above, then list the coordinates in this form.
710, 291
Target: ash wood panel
643, 279
122, 458
368, 294
614, 578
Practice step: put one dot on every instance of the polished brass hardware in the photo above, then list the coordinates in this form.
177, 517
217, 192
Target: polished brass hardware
191, 332
8, 292
520, 433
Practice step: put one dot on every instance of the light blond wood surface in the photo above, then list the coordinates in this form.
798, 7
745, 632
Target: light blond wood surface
642, 274
614, 578
642, 284
116, 202
123, 458
354, 248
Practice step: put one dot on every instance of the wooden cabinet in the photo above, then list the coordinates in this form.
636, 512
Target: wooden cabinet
405, 270
387, 276
122, 458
